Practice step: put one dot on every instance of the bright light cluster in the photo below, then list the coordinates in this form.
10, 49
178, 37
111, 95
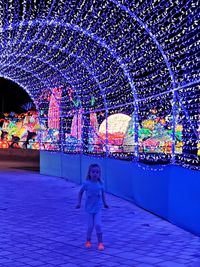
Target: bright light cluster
98, 58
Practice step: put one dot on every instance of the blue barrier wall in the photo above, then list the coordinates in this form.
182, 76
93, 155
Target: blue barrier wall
171, 192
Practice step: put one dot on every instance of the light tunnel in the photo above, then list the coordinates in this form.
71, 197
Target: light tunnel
97, 59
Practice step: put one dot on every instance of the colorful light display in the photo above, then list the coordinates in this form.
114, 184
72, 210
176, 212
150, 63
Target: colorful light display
24, 131
84, 62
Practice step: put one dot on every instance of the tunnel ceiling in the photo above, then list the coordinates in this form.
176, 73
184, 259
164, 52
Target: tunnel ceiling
122, 53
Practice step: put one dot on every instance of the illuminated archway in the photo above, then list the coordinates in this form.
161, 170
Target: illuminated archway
109, 57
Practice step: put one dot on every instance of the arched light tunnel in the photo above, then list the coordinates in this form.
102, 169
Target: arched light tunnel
116, 79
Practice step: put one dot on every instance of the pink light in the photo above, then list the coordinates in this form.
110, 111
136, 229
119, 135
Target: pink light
54, 109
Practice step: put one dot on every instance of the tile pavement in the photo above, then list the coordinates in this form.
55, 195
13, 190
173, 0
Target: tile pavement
40, 227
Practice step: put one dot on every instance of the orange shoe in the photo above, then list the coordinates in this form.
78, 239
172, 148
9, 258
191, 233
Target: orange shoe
101, 246
88, 244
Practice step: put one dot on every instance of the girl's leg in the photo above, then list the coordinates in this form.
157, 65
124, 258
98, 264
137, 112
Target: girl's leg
90, 226
97, 223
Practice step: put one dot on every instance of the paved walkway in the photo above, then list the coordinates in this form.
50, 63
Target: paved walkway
40, 227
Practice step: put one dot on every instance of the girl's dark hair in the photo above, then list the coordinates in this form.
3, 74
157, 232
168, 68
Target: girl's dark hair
94, 165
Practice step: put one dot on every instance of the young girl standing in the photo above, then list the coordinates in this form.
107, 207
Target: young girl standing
95, 199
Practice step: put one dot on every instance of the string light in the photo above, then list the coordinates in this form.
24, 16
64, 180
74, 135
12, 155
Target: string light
89, 60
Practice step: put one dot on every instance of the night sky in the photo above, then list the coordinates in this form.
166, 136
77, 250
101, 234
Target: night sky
12, 97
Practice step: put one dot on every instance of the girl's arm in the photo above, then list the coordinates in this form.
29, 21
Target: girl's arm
79, 198
104, 199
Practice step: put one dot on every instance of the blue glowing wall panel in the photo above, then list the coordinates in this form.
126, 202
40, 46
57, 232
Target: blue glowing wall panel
150, 188
50, 163
119, 178
184, 198
71, 168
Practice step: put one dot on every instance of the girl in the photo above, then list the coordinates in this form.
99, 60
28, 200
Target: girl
95, 197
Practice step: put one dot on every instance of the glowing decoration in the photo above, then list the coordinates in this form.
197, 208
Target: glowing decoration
23, 131
15, 142
76, 102
76, 125
150, 145
92, 101
116, 126
12, 114
71, 144
148, 124
116, 123
27, 106
4, 140
94, 122
50, 139
54, 109
70, 92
